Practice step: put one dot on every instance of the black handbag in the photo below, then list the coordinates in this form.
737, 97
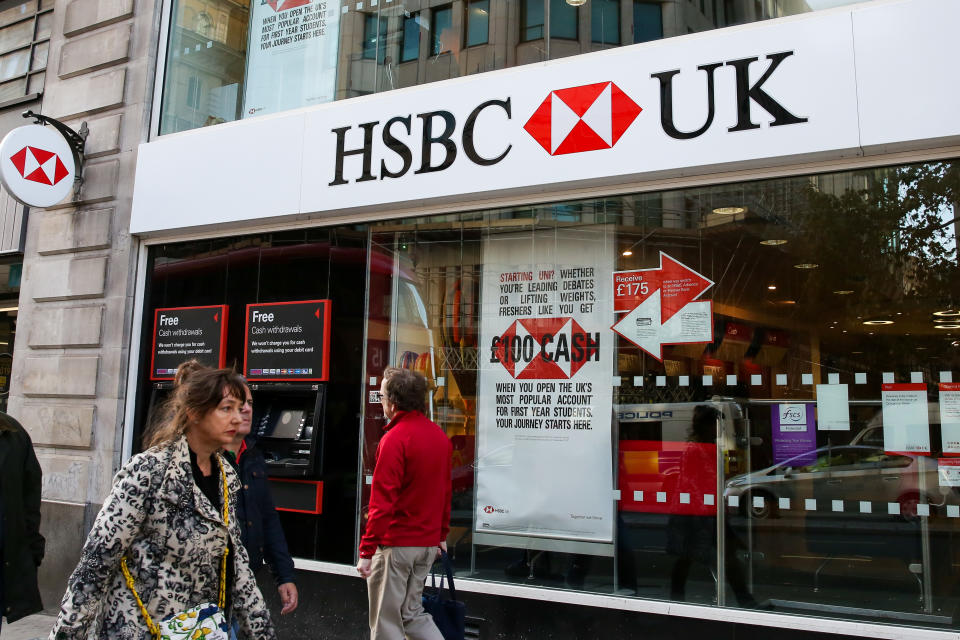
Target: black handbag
448, 614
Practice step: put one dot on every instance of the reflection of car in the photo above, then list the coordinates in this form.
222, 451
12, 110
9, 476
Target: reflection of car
849, 473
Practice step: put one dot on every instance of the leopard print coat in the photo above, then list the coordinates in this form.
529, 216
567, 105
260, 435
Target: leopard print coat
173, 539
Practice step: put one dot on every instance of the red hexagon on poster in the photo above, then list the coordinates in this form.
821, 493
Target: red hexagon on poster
545, 348
283, 5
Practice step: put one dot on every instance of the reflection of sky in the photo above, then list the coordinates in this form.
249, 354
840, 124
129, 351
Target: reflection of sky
827, 4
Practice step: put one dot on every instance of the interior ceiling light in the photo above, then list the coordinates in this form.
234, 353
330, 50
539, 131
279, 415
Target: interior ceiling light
806, 265
575, 3
843, 292
875, 322
788, 302
947, 313
723, 211
627, 253
946, 326
950, 320
773, 242
772, 287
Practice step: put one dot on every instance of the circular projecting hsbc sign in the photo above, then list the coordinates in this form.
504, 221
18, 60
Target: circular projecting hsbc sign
36, 165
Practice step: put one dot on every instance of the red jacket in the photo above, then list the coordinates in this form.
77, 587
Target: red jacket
410, 496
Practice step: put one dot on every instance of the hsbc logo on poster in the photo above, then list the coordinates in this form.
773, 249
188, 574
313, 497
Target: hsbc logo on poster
545, 348
283, 5
585, 118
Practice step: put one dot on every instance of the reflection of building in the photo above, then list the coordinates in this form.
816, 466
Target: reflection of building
208, 44
404, 46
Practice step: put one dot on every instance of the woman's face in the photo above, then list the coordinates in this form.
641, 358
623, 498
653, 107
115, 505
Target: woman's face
246, 414
221, 424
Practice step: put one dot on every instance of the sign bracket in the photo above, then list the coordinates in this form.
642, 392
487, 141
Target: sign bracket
77, 141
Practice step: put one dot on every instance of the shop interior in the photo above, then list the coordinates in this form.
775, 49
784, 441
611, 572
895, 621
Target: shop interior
827, 294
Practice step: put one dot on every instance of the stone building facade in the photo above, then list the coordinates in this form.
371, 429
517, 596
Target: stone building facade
75, 309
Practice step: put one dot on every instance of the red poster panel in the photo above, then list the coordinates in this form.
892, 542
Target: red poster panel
287, 341
185, 333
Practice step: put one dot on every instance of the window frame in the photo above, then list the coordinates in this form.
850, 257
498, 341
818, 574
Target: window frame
29, 75
467, 22
593, 23
413, 18
435, 44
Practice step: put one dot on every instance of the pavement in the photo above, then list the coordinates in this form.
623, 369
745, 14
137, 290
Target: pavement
35, 627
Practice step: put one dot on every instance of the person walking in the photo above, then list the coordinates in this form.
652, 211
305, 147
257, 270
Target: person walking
20, 540
409, 513
259, 523
167, 538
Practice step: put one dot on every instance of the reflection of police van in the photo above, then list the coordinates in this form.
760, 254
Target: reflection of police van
670, 421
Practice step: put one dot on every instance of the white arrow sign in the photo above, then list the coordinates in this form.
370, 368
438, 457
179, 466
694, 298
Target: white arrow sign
693, 323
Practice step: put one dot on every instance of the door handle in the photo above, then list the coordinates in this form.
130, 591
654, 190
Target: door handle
890, 478
834, 481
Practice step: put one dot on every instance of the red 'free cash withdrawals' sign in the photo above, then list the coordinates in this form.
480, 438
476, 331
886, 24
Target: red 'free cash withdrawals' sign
662, 307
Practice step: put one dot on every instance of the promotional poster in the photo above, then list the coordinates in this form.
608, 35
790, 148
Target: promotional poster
292, 61
544, 399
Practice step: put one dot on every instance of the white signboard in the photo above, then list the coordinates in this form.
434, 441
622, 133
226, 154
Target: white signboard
906, 425
793, 418
544, 398
292, 59
949, 469
950, 417
833, 412
36, 165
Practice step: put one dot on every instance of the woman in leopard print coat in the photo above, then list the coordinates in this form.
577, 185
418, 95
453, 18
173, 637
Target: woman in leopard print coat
173, 538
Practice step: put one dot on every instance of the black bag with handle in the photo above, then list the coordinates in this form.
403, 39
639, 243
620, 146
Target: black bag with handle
448, 614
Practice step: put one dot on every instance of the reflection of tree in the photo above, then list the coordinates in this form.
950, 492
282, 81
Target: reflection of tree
891, 241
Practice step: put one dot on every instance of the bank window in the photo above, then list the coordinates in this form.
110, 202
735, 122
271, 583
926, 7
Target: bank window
478, 22
441, 30
647, 21
564, 20
605, 21
370, 36
410, 42
531, 20
212, 37
24, 43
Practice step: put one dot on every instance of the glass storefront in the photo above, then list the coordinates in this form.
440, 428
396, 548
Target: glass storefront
232, 59
742, 395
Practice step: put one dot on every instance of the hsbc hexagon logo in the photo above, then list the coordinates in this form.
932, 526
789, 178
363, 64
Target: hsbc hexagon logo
39, 165
545, 348
283, 5
585, 118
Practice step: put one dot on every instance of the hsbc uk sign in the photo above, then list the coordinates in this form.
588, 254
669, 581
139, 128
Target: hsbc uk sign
569, 120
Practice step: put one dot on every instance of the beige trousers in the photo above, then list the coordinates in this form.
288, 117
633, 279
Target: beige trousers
394, 590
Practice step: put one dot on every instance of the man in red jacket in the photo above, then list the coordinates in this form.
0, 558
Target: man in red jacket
409, 512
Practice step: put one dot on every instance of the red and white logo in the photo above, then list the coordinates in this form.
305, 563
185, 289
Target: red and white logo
39, 165
545, 348
585, 118
283, 5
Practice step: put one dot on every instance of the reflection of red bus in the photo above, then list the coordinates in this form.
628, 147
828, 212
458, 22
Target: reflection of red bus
667, 477
659, 470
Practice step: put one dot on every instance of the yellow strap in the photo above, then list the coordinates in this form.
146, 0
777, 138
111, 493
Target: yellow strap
154, 629
222, 602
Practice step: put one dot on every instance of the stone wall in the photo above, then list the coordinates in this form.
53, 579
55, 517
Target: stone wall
76, 296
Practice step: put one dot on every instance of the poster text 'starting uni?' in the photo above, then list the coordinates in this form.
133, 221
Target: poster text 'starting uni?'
543, 423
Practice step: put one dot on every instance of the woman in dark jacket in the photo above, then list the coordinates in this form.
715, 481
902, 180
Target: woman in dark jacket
20, 537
